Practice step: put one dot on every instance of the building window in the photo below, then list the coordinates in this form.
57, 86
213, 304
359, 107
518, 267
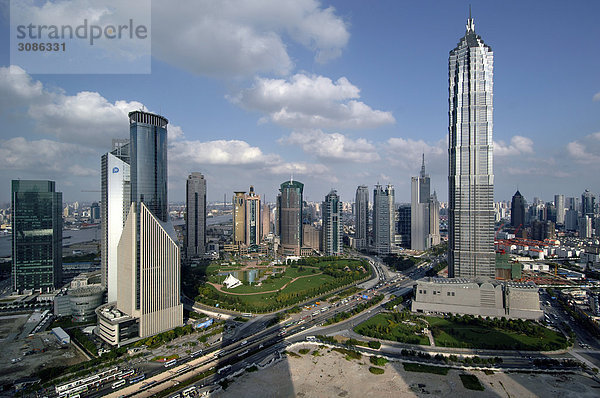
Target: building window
447, 293
424, 291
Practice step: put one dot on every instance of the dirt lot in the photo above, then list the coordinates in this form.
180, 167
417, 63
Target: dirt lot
43, 348
331, 375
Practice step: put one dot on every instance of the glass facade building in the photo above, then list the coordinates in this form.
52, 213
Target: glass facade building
332, 225
37, 235
361, 218
289, 207
195, 218
148, 142
470, 179
384, 219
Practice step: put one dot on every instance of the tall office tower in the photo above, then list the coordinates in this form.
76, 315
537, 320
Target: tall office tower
332, 225
265, 223
239, 218
470, 180
585, 226
94, 212
559, 203
36, 235
116, 198
571, 217
252, 218
361, 218
434, 221
195, 218
148, 253
588, 203
383, 219
419, 219
517, 210
549, 212
404, 215
289, 217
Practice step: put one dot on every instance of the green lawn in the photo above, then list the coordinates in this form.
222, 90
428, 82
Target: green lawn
316, 276
401, 327
416, 367
448, 333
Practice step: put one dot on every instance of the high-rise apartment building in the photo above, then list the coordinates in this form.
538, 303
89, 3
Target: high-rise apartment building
361, 218
195, 216
559, 204
148, 256
332, 225
471, 180
116, 199
517, 210
289, 217
36, 235
419, 219
384, 225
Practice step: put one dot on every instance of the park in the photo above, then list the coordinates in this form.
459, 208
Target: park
265, 287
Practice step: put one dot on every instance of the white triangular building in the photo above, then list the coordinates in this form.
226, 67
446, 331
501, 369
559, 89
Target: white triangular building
231, 281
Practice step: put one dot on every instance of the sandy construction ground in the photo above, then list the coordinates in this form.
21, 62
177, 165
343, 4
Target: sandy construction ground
330, 374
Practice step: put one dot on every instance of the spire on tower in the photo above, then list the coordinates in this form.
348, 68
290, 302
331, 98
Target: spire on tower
423, 167
470, 22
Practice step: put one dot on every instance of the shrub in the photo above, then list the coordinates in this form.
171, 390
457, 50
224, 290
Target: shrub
379, 361
376, 371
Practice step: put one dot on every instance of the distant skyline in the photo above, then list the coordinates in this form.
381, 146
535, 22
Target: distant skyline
337, 93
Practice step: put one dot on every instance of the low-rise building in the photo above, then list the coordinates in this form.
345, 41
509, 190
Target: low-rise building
474, 297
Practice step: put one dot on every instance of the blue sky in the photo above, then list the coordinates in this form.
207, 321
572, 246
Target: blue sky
336, 93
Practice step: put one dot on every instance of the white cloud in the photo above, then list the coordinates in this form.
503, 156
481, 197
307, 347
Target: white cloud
311, 101
86, 117
244, 37
519, 145
45, 156
302, 168
585, 150
596, 97
407, 153
219, 152
333, 146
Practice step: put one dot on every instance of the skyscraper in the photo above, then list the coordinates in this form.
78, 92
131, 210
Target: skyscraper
517, 210
383, 219
252, 218
289, 217
404, 215
37, 235
361, 218
195, 219
148, 254
239, 218
470, 179
332, 225
419, 219
116, 199
246, 218
559, 203
588, 203
434, 221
